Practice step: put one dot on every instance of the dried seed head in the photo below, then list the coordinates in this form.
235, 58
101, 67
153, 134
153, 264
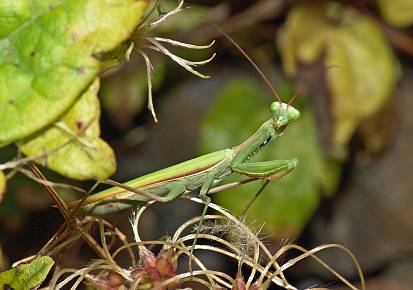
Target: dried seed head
156, 269
237, 233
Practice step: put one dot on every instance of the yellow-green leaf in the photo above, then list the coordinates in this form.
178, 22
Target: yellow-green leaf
27, 276
367, 68
303, 36
72, 146
365, 78
397, 12
48, 56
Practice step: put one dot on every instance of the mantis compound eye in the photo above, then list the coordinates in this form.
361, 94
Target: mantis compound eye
284, 113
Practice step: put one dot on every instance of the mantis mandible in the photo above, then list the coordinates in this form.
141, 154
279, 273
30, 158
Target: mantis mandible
204, 172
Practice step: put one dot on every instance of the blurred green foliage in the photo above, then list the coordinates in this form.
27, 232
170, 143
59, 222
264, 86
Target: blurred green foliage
367, 69
191, 17
287, 203
397, 12
124, 94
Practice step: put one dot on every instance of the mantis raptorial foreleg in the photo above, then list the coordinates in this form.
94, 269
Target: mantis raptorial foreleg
266, 169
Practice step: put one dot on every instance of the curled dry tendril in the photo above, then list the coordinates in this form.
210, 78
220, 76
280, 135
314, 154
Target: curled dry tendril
157, 44
253, 257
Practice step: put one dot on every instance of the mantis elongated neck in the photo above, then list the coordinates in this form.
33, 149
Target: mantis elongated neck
254, 144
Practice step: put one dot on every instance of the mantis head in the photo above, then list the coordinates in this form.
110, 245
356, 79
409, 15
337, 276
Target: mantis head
283, 114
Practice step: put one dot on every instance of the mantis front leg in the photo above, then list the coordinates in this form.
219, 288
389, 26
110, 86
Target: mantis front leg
270, 170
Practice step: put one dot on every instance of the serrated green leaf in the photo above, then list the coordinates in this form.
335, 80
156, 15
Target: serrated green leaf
48, 55
367, 68
27, 276
72, 146
2, 185
397, 12
286, 204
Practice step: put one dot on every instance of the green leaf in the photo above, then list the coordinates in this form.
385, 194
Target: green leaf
286, 204
48, 56
27, 276
2, 185
397, 12
367, 68
72, 146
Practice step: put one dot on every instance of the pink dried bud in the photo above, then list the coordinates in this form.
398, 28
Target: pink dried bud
148, 258
102, 284
239, 283
165, 267
154, 274
115, 279
156, 269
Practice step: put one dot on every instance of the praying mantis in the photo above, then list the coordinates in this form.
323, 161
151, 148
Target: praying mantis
204, 172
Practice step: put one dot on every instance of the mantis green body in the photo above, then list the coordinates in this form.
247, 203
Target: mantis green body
204, 172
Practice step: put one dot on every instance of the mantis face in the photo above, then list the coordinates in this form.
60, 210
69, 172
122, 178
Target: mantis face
283, 114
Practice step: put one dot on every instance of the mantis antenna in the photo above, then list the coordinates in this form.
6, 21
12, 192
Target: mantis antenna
309, 81
261, 73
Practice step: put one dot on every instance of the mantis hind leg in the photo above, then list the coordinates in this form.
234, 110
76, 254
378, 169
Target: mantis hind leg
163, 193
172, 189
100, 209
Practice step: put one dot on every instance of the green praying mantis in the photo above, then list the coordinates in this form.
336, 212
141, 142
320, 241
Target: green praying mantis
204, 172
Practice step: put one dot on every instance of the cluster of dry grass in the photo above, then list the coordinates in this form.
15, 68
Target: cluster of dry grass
221, 233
